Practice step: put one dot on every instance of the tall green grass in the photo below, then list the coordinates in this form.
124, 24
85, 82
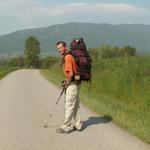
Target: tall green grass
120, 89
5, 70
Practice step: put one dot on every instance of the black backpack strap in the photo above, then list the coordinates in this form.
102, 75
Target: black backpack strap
63, 59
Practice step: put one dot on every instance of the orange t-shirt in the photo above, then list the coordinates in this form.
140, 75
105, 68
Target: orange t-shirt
69, 65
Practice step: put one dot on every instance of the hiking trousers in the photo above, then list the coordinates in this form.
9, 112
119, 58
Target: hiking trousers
72, 113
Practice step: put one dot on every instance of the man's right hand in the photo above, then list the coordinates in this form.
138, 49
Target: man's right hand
63, 83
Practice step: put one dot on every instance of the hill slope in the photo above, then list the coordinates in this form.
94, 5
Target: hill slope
94, 34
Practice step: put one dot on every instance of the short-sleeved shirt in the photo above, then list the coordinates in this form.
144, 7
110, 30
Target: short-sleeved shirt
69, 65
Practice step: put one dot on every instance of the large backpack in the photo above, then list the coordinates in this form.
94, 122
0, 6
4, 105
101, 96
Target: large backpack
79, 51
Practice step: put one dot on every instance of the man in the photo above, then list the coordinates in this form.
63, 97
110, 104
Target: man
72, 91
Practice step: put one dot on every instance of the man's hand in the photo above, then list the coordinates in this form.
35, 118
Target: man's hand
65, 83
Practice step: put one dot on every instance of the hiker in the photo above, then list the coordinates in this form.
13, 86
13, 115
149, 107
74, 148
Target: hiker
72, 86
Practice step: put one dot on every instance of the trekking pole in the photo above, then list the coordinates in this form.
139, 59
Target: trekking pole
50, 115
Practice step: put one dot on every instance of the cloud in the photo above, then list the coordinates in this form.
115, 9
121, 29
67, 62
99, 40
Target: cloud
107, 7
16, 14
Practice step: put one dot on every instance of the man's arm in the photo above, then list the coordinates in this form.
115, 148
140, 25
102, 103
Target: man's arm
68, 80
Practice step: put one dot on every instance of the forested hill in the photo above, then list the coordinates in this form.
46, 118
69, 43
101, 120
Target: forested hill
135, 35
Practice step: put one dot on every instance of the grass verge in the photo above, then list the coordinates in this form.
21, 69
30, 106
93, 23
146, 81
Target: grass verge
6, 70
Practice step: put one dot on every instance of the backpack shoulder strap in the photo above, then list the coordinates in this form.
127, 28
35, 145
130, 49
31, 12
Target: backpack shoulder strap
63, 59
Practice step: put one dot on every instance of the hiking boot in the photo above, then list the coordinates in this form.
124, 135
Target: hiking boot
60, 130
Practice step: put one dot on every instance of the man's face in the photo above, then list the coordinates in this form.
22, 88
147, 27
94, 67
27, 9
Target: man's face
61, 49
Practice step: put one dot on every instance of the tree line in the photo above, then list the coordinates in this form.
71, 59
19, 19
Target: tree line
32, 51
107, 51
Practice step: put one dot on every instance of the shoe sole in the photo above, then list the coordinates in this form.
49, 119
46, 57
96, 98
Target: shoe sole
79, 130
61, 131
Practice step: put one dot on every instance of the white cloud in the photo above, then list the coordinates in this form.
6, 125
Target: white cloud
33, 13
100, 8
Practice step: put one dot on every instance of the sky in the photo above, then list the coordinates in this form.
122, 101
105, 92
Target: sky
23, 14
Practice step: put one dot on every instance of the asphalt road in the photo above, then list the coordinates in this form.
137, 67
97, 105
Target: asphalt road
26, 99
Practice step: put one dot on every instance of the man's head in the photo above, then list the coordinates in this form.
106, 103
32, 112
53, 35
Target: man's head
62, 47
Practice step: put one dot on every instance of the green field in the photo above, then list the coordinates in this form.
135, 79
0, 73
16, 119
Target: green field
120, 89
5, 70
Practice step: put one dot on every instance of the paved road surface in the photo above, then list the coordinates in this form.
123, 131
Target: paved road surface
26, 98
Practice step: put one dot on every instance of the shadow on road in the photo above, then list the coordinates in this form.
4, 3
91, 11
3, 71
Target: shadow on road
96, 120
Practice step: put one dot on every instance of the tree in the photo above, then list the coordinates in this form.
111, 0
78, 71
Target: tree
128, 51
32, 52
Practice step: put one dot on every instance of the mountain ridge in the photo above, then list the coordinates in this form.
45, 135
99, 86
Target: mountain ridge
136, 35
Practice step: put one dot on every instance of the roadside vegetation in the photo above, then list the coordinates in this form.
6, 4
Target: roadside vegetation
6, 70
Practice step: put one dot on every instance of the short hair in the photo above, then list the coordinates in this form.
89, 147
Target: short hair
61, 42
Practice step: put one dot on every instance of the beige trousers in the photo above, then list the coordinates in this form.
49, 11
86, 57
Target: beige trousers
72, 107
